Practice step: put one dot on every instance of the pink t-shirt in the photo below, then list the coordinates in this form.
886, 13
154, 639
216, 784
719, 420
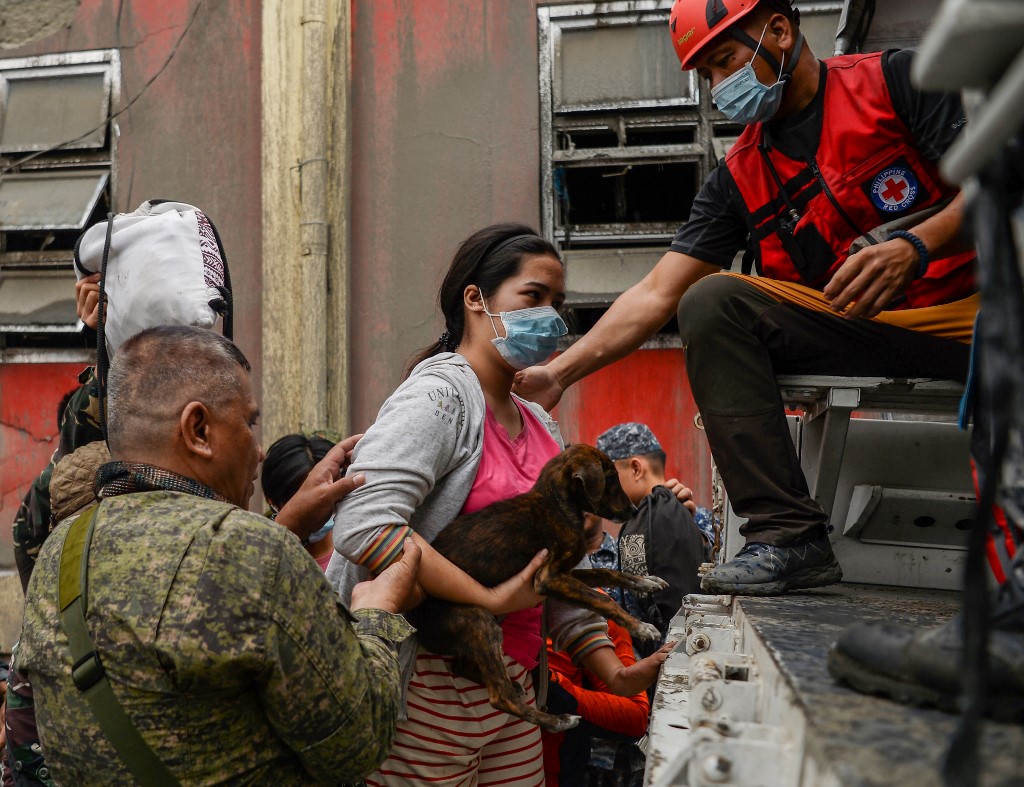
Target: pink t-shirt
509, 467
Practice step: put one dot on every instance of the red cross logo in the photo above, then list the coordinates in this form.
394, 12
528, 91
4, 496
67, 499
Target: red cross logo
894, 190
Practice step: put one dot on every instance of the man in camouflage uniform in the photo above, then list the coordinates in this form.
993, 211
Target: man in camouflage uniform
221, 639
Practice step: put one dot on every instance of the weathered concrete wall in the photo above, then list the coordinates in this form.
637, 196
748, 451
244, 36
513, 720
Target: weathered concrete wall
25, 21
29, 394
282, 133
444, 141
192, 135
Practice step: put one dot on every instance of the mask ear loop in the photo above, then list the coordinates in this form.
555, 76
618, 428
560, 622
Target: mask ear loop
491, 316
741, 36
756, 48
782, 67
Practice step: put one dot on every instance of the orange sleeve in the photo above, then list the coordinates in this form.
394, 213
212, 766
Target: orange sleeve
624, 715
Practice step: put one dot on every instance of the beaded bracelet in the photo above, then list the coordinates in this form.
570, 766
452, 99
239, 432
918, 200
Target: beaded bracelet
922, 250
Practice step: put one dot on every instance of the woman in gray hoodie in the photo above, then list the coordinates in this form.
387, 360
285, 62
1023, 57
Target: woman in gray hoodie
452, 439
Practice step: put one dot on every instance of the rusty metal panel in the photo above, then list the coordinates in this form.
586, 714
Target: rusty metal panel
42, 108
61, 200
38, 301
593, 277
623, 61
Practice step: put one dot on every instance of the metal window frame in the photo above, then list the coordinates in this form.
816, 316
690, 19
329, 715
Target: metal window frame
33, 277
592, 16
64, 63
695, 110
711, 131
57, 159
102, 175
7, 77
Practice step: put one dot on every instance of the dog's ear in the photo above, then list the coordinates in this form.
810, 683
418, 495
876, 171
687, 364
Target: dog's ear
589, 476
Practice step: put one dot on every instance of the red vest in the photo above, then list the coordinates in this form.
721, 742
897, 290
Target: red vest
866, 172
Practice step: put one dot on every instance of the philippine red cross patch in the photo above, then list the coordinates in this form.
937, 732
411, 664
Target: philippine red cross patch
894, 189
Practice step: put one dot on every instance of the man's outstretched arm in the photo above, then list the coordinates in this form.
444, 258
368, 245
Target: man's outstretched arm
634, 317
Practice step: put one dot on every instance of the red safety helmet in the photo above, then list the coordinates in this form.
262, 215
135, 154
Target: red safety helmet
694, 23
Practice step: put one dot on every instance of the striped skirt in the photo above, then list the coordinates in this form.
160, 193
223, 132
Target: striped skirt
454, 737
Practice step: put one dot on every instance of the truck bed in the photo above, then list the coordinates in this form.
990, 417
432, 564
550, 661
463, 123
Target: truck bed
746, 698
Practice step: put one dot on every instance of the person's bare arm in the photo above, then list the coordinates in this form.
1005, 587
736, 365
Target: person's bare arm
441, 578
870, 279
633, 318
622, 680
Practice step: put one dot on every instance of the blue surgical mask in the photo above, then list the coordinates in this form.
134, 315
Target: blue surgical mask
531, 335
321, 534
743, 98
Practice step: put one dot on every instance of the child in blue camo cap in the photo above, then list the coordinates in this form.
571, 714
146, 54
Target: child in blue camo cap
661, 538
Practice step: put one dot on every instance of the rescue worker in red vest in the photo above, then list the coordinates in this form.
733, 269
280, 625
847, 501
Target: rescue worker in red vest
832, 149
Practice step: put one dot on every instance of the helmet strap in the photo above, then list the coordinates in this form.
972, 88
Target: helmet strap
755, 46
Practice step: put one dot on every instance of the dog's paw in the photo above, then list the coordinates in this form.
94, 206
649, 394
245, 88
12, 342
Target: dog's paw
647, 631
563, 722
649, 584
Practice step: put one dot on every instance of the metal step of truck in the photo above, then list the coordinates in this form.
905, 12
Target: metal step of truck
746, 699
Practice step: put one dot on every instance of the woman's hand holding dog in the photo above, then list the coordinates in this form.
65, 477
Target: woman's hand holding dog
441, 578
517, 592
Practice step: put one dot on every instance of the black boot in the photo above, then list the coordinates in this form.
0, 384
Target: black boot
924, 666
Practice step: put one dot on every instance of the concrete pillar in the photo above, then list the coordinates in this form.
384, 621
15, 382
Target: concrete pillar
305, 215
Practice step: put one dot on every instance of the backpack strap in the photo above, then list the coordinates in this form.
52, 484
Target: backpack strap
87, 671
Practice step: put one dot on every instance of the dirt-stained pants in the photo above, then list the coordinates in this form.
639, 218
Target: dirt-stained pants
738, 336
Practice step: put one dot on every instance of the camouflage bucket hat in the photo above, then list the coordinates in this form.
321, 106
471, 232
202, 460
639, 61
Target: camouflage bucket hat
626, 440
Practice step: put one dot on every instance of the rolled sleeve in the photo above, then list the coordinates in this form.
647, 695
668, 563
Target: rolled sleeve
385, 548
575, 630
392, 629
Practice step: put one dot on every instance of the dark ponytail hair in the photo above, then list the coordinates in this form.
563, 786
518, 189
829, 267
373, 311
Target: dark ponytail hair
486, 258
287, 464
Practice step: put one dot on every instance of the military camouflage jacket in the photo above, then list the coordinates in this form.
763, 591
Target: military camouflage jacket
224, 644
80, 426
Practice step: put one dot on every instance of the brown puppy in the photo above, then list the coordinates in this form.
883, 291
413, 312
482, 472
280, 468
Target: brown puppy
494, 543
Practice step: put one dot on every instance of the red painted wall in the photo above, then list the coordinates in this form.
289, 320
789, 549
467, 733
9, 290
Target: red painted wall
649, 386
29, 395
